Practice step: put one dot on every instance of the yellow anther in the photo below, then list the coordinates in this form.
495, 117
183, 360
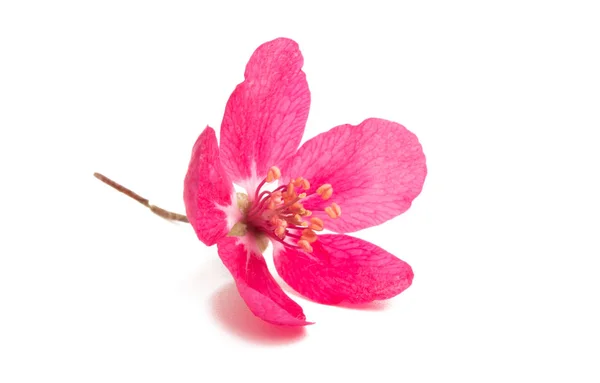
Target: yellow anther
302, 195
305, 184
337, 209
330, 212
309, 235
305, 245
307, 213
325, 191
322, 188
297, 207
276, 221
298, 182
333, 211
280, 232
316, 224
273, 174
289, 194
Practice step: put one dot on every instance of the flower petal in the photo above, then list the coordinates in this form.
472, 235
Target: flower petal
266, 114
376, 169
263, 296
343, 268
207, 187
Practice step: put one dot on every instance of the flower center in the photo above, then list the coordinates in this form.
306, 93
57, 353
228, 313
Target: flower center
280, 215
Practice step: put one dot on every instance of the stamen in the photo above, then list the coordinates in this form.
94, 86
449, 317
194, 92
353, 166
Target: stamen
309, 235
305, 245
296, 206
273, 174
336, 208
290, 194
316, 224
330, 212
280, 214
280, 232
325, 191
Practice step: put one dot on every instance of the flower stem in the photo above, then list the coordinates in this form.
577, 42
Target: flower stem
155, 209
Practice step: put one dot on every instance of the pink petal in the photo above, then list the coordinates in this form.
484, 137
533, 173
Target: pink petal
256, 285
343, 268
266, 114
207, 186
376, 169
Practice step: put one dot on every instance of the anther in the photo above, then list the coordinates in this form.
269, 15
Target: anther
336, 208
330, 212
290, 192
316, 224
280, 232
308, 235
325, 191
297, 207
273, 174
305, 245
298, 182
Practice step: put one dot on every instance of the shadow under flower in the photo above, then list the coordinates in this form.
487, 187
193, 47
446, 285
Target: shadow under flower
231, 311
369, 306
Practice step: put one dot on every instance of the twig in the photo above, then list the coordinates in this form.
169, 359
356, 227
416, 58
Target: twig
155, 209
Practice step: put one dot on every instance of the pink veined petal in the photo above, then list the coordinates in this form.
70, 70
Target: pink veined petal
263, 296
207, 186
343, 268
375, 168
266, 114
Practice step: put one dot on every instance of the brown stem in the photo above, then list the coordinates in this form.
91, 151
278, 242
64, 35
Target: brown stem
155, 209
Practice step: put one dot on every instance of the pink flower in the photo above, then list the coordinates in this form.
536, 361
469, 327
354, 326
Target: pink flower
344, 180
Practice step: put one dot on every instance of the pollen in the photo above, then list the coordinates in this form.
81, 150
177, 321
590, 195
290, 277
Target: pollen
304, 245
333, 211
273, 174
309, 235
298, 182
280, 232
280, 214
325, 191
336, 208
316, 224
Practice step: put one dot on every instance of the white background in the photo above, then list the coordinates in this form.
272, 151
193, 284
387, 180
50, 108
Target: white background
503, 239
